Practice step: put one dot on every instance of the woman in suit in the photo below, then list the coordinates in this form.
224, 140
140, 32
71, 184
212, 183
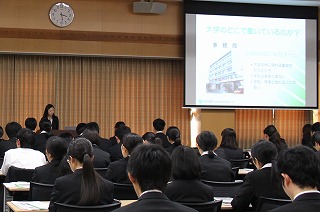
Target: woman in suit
57, 165
259, 182
213, 167
48, 114
229, 148
271, 134
84, 186
173, 135
186, 185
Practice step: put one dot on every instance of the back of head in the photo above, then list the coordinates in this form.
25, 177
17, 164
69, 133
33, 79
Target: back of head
81, 127
121, 131
79, 147
92, 136
264, 151
229, 138
150, 165
25, 137
31, 123
151, 138
306, 129
173, 133
159, 124
12, 129
1, 132
93, 126
45, 125
57, 147
66, 136
185, 164
316, 137
207, 141
302, 165
131, 141
273, 134
315, 126
119, 124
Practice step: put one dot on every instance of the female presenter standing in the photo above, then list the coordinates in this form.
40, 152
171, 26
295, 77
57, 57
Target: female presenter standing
48, 114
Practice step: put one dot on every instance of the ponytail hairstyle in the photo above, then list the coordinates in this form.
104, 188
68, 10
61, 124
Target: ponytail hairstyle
81, 149
274, 136
173, 134
207, 141
229, 138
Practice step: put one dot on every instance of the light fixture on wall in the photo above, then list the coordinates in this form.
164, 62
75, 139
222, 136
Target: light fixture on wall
149, 7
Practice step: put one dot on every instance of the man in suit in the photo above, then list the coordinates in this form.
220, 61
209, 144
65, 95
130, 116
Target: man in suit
299, 169
104, 142
11, 129
158, 125
31, 123
149, 170
115, 151
40, 140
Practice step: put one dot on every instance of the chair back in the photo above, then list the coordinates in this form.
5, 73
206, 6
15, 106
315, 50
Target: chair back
265, 204
124, 191
224, 189
235, 171
15, 174
40, 191
101, 171
212, 206
60, 207
241, 163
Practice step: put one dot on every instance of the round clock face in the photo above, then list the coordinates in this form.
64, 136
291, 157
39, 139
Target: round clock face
61, 14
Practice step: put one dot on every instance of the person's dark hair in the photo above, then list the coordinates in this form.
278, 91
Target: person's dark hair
173, 134
81, 149
315, 126
119, 124
67, 136
302, 165
306, 135
185, 164
1, 132
12, 129
229, 138
207, 141
151, 138
131, 141
121, 131
150, 165
316, 137
30, 123
45, 125
25, 137
92, 136
274, 135
159, 124
93, 126
264, 151
81, 127
45, 112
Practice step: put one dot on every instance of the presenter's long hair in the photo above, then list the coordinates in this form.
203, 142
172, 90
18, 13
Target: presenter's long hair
46, 109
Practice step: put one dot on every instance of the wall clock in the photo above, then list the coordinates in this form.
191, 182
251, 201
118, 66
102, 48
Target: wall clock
61, 14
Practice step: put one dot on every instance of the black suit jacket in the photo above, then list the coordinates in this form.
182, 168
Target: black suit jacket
164, 138
101, 158
55, 122
67, 189
39, 142
215, 169
115, 152
117, 171
6, 145
189, 191
256, 184
305, 202
228, 153
47, 173
154, 201
105, 144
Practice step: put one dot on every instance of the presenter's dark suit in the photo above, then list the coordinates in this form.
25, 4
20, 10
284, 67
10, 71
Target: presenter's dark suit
215, 169
117, 171
6, 145
164, 138
115, 152
55, 122
189, 191
101, 158
39, 142
256, 184
228, 153
67, 189
304, 202
47, 173
155, 202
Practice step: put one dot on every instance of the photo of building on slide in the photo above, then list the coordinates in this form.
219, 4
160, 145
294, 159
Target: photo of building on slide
225, 76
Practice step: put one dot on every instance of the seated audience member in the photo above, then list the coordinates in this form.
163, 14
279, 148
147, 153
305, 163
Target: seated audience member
259, 182
68, 137
57, 166
186, 185
40, 140
11, 129
306, 136
271, 134
115, 151
213, 167
149, 170
1, 134
31, 123
315, 127
23, 156
173, 135
229, 148
80, 128
104, 143
150, 138
299, 169
158, 126
101, 159
84, 186
316, 140
117, 170
113, 139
